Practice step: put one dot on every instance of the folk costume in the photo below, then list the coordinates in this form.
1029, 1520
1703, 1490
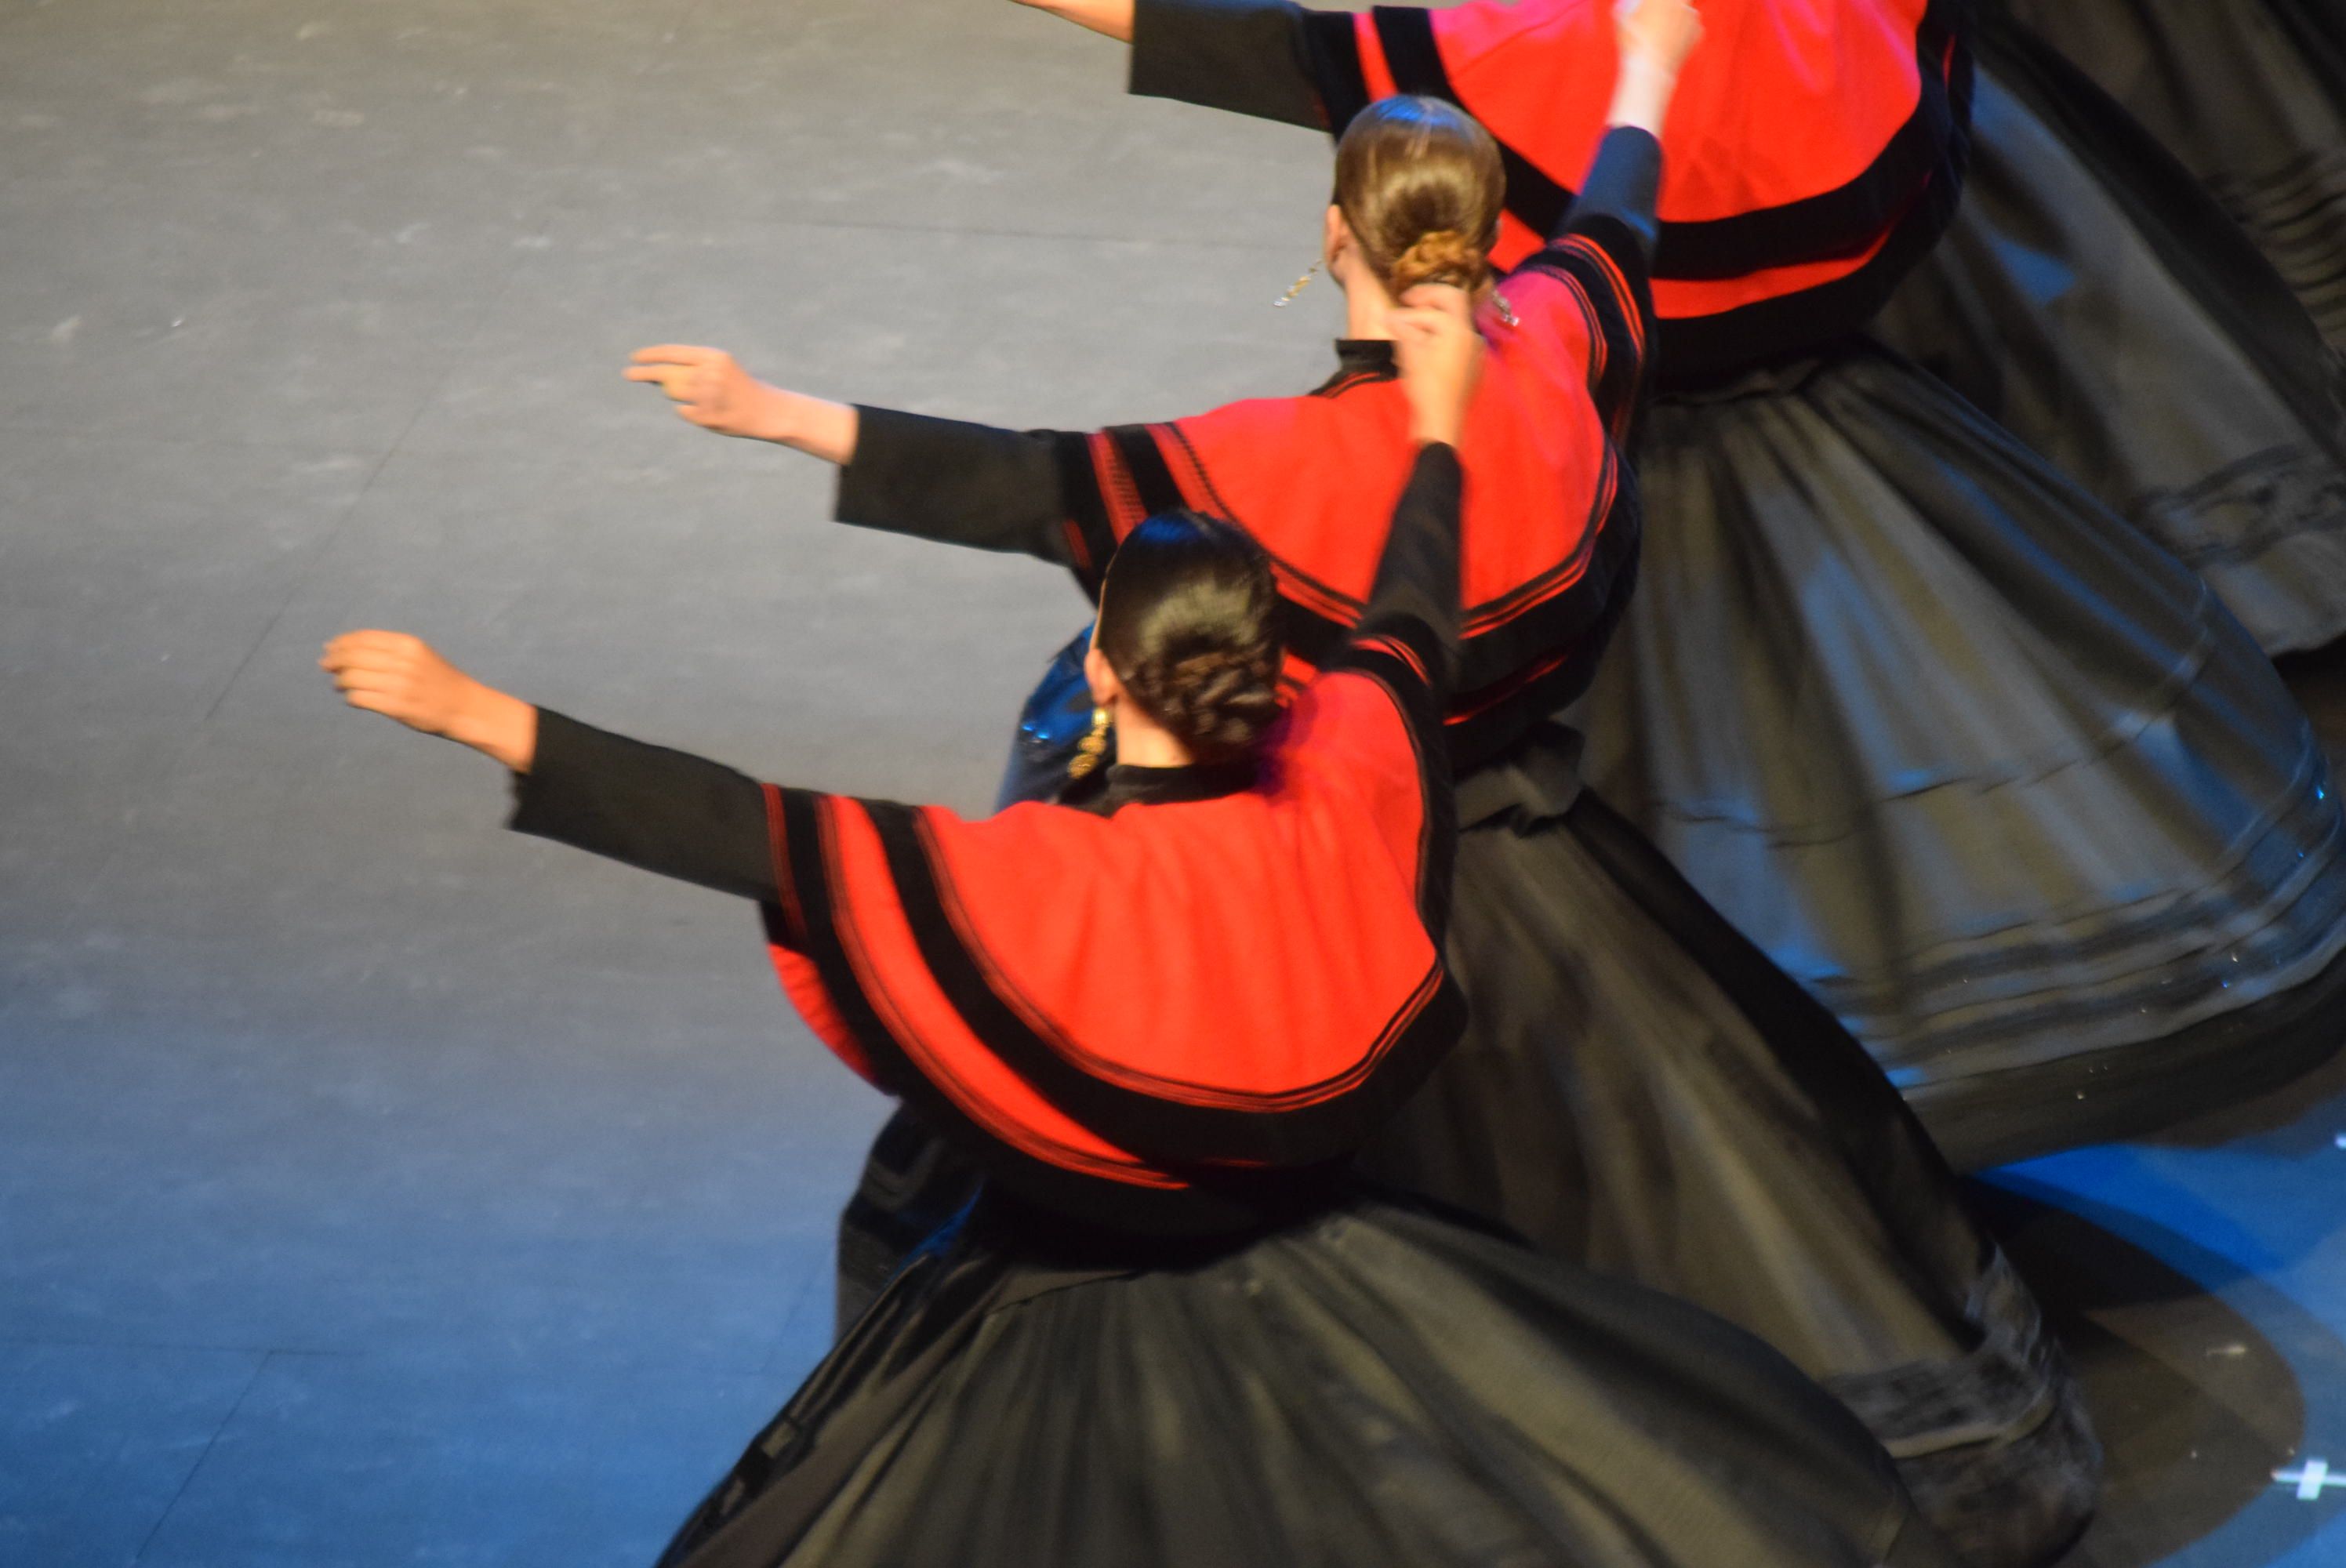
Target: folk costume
1171, 1330
1639, 1090
1976, 762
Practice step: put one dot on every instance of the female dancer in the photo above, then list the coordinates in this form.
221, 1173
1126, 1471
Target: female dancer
1639, 1090
1985, 770
1171, 1330
2088, 295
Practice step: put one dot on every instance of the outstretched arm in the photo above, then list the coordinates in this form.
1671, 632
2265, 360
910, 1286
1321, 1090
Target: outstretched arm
948, 479
1248, 56
665, 811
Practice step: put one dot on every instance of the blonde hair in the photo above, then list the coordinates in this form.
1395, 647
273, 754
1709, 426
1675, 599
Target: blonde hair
1421, 185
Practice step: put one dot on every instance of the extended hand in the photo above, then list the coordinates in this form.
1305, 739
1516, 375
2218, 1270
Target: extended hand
1441, 356
400, 677
712, 390
1113, 17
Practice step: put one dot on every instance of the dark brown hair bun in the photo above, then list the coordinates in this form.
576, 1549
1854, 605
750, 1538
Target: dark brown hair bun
1189, 621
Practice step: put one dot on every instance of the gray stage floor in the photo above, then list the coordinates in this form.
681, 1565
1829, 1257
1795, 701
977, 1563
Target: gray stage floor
377, 1189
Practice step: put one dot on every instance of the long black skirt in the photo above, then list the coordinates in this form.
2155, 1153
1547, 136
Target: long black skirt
1375, 1386
2094, 300
1986, 770
2250, 95
1641, 1093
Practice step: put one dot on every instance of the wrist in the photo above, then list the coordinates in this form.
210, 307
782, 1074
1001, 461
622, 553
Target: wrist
1642, 92
497, 724
1436, 429
777, 417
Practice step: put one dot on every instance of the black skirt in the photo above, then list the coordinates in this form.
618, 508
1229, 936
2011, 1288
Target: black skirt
2251, 95
2094, 300
1375, 1386
1983, 768
1642, 1093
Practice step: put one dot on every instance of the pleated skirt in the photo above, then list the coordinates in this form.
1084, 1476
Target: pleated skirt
2094, 300
1983, 768
2251, 95
1376, 1386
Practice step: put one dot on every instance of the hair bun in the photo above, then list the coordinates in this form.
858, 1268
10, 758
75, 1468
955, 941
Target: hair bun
1189, 622
1444, 256
1216, 702
1421, 186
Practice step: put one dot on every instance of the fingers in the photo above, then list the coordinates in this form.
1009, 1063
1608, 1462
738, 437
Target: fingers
373, 646
676, 355
1444, 298
378, 661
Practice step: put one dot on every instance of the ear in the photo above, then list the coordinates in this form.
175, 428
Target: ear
1098, 674
1335, 241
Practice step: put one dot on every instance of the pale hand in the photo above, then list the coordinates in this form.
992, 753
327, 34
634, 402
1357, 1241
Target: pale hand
400, 677
1661, 33
710, 390
1441, 356
1112, 17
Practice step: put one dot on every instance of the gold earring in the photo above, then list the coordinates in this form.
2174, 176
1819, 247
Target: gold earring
1091, 747
1294, 288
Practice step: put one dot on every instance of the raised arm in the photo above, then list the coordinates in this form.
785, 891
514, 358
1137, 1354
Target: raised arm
1603, 250
1414, 601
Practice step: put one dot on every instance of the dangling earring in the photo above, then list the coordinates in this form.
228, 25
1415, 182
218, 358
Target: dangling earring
1507, 311
1091, 747
1294, 288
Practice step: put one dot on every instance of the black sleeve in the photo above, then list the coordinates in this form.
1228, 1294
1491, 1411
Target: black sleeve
960, 483
1248, 56
1416, 600
1616, 205
1606, 247
665, 811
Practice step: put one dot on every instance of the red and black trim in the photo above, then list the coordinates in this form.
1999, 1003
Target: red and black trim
1397, 652
1198, 1158
1866, 234
1198, 1203
1833, 223
1178, 1123
1523, 655
1190, 1203
1617, 300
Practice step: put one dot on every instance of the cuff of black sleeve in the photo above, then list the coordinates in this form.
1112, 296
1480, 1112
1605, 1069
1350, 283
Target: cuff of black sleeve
1437, 475
550, 800
1626, 180
894, 451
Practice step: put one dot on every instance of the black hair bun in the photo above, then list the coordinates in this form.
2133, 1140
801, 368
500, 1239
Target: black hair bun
1189, 622
1216, 702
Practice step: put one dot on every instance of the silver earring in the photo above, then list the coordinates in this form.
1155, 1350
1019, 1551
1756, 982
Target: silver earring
1294, 288
1507, 311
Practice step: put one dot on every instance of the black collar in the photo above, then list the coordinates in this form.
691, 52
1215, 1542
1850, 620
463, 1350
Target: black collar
1361, 359
1123, 784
